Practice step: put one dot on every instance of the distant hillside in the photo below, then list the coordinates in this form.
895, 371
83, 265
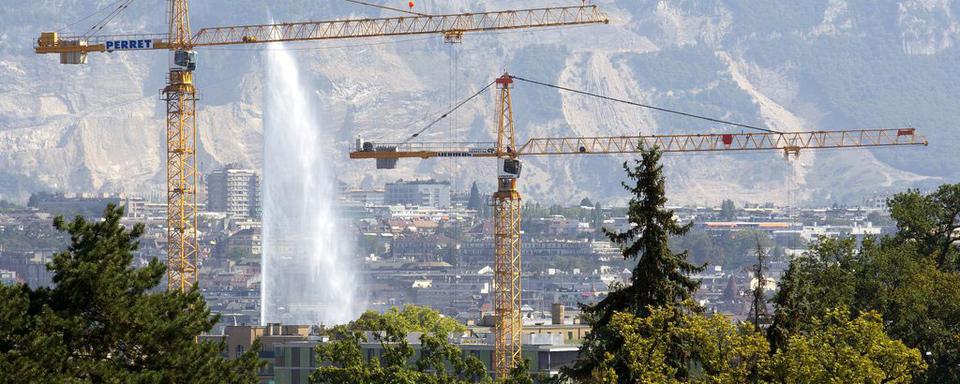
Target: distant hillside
823, 64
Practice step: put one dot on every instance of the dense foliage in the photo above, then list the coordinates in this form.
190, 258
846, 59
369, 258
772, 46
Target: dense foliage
878, 311
714, 350
732, 250
410, 318
909, 279
103, 321
342, 359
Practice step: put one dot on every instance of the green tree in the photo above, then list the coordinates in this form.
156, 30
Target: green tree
519, 374
919, 302
913, 278
475, 202
715, 350
841, 350
342, 360
596, 218
660, 278
758, 304
102, 323
728, 210
931, 220
410, 318
812, 285
880, 220
903, 278
732, 250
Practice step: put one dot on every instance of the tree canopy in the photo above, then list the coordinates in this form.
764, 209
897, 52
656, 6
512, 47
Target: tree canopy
475, 202
410, 318
342, 361
728, 210
715, 350
932, 221
909, 279
103, 321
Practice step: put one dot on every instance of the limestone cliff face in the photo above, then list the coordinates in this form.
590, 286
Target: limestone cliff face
826, 64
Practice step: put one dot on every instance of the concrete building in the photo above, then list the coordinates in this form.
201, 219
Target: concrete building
364, 197
247, 241
239, 339
68, 205
235, 191
8, 277
544, 252
295, 361
419, 192
29, 267
290, 350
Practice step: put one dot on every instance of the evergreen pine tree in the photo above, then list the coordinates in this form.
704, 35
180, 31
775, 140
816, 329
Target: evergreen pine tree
596, 218
728, 211
790, 308
730, 292
102, 322
660, 278
758, 307
475, 202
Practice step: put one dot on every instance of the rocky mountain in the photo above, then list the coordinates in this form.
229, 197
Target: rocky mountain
819, 64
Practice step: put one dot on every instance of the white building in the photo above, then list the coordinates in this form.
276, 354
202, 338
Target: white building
235, 191
429, 193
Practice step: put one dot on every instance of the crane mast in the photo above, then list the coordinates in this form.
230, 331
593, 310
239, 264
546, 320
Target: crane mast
506, 200
179, 18
180, 98
508, 322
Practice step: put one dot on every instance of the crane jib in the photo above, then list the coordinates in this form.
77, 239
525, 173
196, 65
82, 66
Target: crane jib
126, 45
457, 154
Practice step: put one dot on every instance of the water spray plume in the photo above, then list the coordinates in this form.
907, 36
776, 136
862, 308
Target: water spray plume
309, 273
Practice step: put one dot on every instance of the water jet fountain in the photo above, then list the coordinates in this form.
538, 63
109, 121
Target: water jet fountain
309, 273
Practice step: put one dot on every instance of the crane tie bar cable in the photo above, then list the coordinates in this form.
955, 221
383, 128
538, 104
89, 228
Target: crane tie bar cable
445, 114
386, 7
96, 28
87, 17
633, 103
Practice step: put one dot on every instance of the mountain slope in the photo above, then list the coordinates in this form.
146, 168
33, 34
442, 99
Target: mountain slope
827, 64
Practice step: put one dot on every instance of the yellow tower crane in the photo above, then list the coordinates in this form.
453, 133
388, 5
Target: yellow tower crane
180, 93
506, 200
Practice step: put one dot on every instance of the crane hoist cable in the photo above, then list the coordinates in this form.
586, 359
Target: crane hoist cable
655, 108
386, 7
447, 113
454, 61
